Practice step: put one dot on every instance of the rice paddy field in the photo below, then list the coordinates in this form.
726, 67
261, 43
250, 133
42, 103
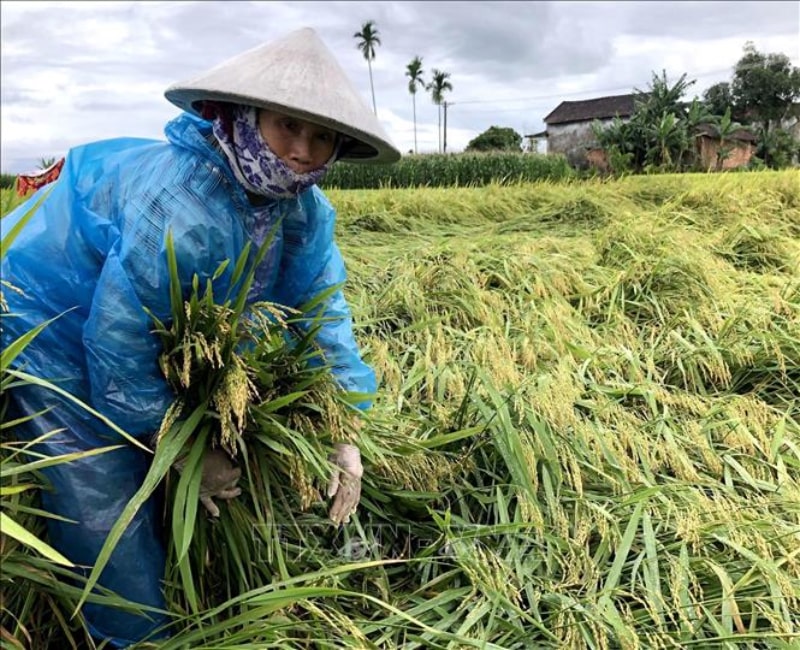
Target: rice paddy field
587, 435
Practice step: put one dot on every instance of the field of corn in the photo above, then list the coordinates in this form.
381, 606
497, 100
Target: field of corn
587, 435
450, 170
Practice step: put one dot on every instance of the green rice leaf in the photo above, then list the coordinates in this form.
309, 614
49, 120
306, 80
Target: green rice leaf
623, 549
15, 531
166, 453
14, 231
31, 379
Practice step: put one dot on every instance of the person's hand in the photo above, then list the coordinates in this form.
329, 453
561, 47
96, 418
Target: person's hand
219, 479
345, 485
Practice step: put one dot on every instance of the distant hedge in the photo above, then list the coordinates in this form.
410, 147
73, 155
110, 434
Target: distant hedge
448, 170
7, 181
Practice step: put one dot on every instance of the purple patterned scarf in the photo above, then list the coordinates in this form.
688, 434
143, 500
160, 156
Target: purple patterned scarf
254, 164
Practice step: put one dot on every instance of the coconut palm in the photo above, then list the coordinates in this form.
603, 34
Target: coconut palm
438, 85
368, 40
414, 74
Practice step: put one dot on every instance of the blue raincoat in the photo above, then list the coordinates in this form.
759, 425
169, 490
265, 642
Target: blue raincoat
94, 255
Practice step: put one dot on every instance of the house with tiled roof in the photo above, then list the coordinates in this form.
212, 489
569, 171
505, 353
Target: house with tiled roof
569, 125
569, 132
715, 153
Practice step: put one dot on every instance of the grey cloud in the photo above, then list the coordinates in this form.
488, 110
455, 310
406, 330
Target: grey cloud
480, 36
513, 41
704, 20
493, 50
13, 96
98, 101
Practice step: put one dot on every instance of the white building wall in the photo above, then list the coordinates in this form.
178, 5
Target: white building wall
573, 140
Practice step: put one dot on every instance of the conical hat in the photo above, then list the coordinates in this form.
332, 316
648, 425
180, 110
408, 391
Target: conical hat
297, 75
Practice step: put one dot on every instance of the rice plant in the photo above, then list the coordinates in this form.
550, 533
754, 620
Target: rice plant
587, 433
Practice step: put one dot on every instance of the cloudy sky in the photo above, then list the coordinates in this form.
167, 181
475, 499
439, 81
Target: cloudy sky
73, 72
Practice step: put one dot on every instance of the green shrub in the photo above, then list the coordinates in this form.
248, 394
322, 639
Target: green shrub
7, 181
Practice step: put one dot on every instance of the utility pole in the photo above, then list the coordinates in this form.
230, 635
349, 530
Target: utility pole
444, 147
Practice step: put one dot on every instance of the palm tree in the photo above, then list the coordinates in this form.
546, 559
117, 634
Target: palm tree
369, 39
414, 74
438, 86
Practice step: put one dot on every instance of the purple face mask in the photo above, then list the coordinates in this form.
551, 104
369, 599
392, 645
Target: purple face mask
255, 165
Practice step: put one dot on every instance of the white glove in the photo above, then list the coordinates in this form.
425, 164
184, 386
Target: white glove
219, 479
345, 485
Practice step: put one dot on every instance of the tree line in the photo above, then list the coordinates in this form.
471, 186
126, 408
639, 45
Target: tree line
761, 99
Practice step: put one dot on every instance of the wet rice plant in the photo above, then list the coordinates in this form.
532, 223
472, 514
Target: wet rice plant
587, 434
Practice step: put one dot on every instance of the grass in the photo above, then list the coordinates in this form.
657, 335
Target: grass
587, 434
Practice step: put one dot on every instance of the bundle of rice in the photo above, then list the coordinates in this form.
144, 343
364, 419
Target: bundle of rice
252, 385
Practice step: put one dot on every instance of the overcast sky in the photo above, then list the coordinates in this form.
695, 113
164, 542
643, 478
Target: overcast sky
74, 72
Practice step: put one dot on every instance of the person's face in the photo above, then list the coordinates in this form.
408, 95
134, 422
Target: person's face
303, 146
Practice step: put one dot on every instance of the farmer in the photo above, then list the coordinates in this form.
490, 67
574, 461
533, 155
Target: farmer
256, 135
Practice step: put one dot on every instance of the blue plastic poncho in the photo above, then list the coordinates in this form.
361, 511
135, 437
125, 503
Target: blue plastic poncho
94, 255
